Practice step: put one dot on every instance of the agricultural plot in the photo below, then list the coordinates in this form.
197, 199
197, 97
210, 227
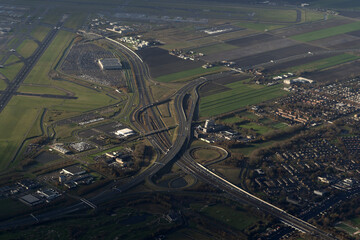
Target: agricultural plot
336, 73
252, 40
288, 64
161, 62
40, 32
310, 27
219, 47
328, 32
240, 95
324, 63
335, 40
250, 50
27, 48
188, 74
275, 55
261, 27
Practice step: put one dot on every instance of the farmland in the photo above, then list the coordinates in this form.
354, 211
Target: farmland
184, 75
161, 63
324, 63
328, 32
240, 95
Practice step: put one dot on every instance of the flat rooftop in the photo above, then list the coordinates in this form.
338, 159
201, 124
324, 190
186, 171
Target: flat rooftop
110, 63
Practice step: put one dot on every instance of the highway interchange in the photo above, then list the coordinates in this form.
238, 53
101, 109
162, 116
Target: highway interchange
146, 119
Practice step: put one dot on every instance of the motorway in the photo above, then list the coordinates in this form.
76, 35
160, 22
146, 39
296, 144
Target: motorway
13, 86
172, 151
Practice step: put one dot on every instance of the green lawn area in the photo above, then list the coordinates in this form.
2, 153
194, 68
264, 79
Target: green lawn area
238, 219
3, 84
215, 48
75, 20
12, 59
11, 71
26, 48
240, 95
40, 90
40, 32
324, 63
39, 74
345, 227
328, 32
261, 129
53, 16
188, 74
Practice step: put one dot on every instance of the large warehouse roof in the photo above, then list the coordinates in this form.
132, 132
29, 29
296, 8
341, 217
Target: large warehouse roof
110, 63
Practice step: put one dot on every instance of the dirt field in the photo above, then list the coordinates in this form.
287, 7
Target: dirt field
252, 40
348, 45
161, 62
274, 55
342, 72
309, 27
335, 40
354, 33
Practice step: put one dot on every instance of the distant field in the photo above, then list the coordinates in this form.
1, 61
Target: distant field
40, 32
192, 73
214, 48
53, 16
259, 26
328, 32
27, 48
11, 71
240, 95
324, 63
39, 74
75, 20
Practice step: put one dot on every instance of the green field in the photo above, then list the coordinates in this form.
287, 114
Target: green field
40, 90
12, 59
240, 95
238, 219
3, 84
328, 32
40, 32
39, 74
186, 75
26, 48
261, 129
214, 48
75, 20
346, 228
324, 63
10, 71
